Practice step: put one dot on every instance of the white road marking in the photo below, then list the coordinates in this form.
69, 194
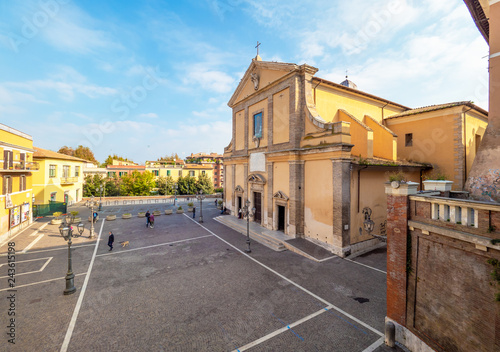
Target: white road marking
50, 250
283, 329
152, 246
22, 231
32, 244
374, 345
72, 323
39, 282
30, 260
294, 283
352, 261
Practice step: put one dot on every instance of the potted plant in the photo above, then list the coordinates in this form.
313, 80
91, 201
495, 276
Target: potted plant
168, 211
127, 216
74, 217
141, 214
220, 202
111, 217
156, 212
57, 220
437, 181
180, 210
190, 206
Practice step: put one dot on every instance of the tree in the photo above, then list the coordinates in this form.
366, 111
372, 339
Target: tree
205, 184
187, 185
165, 185
91, 185
80, 152
137, 184
172, 157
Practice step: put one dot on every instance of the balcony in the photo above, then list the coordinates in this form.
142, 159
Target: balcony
68, 180
22, 167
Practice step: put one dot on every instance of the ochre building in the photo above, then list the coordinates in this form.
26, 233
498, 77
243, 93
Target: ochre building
312, 155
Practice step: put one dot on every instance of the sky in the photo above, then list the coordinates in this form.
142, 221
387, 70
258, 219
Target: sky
145, 79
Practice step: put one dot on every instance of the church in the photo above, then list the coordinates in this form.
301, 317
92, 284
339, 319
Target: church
312, 156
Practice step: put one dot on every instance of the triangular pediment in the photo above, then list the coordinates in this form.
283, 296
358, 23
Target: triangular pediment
280, 195
256, 178
239, 189
258, 76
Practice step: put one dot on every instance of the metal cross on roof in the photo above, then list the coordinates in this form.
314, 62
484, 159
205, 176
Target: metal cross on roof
258, 44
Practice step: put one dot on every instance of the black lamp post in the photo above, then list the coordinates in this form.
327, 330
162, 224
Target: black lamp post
101, 189
91, 203
175, 189
200, 197
67, 232
247, 212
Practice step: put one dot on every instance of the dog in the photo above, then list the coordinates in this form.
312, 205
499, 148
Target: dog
125, 243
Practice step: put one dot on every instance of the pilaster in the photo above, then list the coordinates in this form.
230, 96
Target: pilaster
296, 202
341, 172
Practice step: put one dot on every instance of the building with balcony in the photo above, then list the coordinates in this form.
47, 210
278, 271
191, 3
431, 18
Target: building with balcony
16, 171
60, 178
123, 170
179, 168
215, 161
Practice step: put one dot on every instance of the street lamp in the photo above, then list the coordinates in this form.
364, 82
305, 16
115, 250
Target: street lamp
101, 189
175, 189
200, 197
246, 212
66, 231
91, 203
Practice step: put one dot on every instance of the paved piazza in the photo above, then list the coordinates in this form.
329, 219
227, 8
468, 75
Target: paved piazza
185, 286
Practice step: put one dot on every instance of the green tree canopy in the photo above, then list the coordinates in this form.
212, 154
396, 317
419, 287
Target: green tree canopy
205, 184
165, 185
80, 152
137, 184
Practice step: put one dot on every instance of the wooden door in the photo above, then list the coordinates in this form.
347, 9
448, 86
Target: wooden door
258, 207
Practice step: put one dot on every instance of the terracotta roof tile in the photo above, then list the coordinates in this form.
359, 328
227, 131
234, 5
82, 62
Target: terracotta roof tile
49, 154
437, 107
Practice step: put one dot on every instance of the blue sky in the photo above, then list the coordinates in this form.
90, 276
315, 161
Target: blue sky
144, 79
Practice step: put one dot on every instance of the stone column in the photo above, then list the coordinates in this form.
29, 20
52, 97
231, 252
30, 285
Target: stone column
296, 201
270, 192
398, 209
341, 203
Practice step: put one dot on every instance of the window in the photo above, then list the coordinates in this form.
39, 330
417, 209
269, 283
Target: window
8, 159
22, 183
191, 173
7, 185
77, 171
66, 171
477, 141
257, 125
122, 173
180, 173
168, 172
52, 171
156, 172
53, 196
203, 172
408, 139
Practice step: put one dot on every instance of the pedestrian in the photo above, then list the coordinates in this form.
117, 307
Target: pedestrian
111, 239
147, 218
222, 210
152, 221
215, 202
194, 211
239, 214
94, 216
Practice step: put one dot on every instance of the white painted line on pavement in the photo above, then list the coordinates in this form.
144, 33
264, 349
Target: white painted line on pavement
39, 282
154, 245
22, 231
30, 272
374, 345
72, 323
294, 283
371, 267
32, 244
51, 250
283, 329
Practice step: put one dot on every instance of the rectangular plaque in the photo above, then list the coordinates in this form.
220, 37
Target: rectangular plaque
257, 162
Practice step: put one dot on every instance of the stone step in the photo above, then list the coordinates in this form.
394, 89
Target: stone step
263, 238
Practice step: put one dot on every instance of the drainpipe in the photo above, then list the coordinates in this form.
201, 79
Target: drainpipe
383, 122
314, 90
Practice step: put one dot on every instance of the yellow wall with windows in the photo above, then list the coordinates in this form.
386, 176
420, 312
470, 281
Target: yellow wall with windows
44, 185
281, 116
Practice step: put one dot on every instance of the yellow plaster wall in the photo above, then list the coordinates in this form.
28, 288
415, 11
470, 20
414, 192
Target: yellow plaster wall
228, 186
252, 110
240, 178
329, 100
359, 136
281, 116
318, 200
240, 130
14, 139
281, 177
432, 141
265, 77
474, 125
382, 140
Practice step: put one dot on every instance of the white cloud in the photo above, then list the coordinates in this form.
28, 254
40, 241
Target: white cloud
149, 115
212, 80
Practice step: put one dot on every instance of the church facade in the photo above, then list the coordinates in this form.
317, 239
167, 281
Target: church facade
312, 156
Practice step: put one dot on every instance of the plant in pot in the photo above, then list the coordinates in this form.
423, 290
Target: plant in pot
57, 218
190, 206
396, 178
180, 210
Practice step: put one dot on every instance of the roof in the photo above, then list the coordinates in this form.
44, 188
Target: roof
480, 18
356, 91
438, 107
348, 83
49, 154
385, 163
126, 167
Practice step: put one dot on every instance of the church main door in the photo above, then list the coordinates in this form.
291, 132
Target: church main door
281, 218
258, 207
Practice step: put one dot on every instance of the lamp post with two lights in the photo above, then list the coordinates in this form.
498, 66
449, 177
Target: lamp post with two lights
66, 231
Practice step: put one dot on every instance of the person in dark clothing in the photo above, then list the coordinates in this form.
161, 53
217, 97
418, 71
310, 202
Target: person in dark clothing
216, 202
152, 221
111, 239
194, 211
95, 217
147, 218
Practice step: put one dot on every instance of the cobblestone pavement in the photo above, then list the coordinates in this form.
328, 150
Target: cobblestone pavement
185, 286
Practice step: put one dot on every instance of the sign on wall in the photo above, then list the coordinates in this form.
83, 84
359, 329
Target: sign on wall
15, 216
257, 162
8, 201
25, 212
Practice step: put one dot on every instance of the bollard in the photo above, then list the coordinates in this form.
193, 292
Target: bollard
390, 334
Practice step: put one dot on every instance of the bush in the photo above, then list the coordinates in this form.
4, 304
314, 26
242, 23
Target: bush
397, 176
57, 214
179, 208
190, 204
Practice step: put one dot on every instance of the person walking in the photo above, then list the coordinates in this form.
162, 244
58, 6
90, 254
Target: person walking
152, 221
111, 239
147, 218
194, 211
94, 217
216, 202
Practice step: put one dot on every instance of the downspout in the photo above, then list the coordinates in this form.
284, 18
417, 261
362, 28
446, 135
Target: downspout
359, 183
383, 122
314, 90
